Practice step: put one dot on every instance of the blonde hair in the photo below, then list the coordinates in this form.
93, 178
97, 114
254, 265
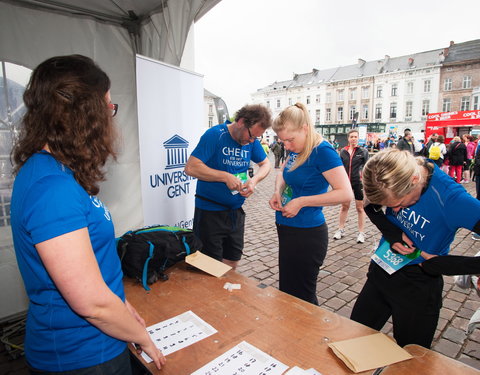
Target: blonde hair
295, 117
389, 174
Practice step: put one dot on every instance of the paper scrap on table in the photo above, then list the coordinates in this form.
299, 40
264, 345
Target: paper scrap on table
300, 371
369, 352
207, 264
243, 359
230, 286
178, 332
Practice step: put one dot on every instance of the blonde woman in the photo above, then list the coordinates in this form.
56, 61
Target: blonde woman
299, 197
425, 208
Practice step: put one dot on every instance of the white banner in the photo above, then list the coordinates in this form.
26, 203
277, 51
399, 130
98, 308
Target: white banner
170, 123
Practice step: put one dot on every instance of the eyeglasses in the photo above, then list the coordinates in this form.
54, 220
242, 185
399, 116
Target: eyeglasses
250, 136
113, 108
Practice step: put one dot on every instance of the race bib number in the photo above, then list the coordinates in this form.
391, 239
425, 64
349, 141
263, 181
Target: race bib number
242, 177
286, 195
391, 261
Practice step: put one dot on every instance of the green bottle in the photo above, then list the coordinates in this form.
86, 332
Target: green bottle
414, 255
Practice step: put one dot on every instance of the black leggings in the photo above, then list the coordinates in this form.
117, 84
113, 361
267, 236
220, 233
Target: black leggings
301, 253
410, 296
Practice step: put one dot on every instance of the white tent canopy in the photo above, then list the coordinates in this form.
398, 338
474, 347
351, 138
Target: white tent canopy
111, 32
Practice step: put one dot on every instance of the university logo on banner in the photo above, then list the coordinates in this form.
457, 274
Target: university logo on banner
177, 152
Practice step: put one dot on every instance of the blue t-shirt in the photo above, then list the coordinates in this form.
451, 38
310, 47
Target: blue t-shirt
442, 209
47, 202
308, 180
218, 150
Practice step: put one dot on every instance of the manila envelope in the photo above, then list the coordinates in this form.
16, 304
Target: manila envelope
369, 352
207, 264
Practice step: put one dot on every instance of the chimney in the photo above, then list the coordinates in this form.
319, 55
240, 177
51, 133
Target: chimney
446, 51
295, 76
314, 71
386, 58
410, 61
360, 63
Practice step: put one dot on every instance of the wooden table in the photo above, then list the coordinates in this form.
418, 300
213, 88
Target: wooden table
290, 330
428, 362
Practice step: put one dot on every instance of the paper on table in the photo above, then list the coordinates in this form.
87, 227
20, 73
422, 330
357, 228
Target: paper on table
369, 352
207, 264
178, 332
243, 359
299, 371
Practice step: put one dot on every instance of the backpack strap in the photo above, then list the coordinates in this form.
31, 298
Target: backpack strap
145, 267
187, 246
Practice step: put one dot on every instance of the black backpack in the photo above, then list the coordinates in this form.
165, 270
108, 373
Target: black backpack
147, 252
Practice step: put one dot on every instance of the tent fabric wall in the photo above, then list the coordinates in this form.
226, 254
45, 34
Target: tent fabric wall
29, 35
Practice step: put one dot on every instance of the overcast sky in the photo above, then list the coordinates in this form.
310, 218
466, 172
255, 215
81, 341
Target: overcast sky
244, 45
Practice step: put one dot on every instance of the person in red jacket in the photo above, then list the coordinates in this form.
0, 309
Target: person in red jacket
353, 159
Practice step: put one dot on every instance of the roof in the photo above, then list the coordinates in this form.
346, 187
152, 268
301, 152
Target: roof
361, 69
463, 51
209, 94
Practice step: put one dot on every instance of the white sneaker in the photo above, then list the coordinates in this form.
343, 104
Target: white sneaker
361, 238
338, 234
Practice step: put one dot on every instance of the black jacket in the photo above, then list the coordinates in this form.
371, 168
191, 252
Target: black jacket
403, 144
457, 153
354, 163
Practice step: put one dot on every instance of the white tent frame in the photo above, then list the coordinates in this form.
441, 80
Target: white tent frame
111, 32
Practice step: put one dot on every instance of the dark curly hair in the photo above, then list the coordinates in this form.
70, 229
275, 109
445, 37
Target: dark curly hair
253, 114
67, 110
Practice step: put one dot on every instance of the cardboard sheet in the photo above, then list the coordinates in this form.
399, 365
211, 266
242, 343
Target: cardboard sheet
369, 352
207, 264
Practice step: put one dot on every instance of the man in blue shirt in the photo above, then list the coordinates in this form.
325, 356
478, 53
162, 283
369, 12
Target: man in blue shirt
220, 163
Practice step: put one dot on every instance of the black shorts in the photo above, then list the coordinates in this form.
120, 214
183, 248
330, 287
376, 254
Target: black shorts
221, 232
358, 191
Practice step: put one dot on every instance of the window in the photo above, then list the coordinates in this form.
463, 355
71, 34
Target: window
268, 103
353, 94
467, 82
13, 79
317, 117
365, 111
408, 110
409, 87
340, 113
447, 105
425, 107
308, 99
393, 110
476, 104
465, 106
365, 92
210, 122
378, 112
278, 103
353, 109
379, 91
328, 114
394, 89
317, 98
447, 84
328, 97
210, 109
340, 96
426, 85
290, 101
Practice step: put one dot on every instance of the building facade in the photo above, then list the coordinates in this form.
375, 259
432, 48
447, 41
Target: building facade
389, 94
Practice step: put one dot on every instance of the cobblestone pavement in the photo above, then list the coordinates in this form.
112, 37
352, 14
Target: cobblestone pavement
343, 274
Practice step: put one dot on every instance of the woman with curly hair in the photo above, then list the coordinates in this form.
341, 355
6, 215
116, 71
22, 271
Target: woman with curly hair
425, 208
78, 319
